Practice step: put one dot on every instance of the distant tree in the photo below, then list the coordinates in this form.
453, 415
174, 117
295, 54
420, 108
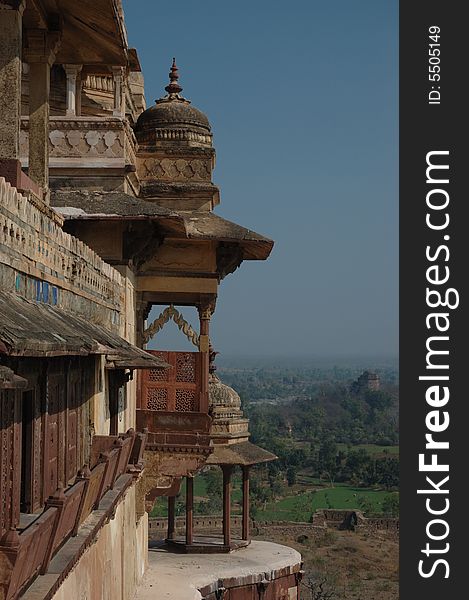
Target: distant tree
378, 400
387, 472
291, 475
213, 482
327, 459
365, 505
390, 505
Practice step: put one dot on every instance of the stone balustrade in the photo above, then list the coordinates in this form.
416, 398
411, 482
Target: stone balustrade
99, 83
84, 142
35, 248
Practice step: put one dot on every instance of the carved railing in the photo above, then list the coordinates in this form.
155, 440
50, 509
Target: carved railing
177, 431
169, 405
85, 142
26, 554
58, 257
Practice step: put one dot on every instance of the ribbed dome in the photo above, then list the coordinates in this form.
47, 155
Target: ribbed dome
173, 119
221, 395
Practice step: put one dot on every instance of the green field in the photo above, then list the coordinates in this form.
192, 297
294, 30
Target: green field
296, 507
200, 492
301, 506
371, 449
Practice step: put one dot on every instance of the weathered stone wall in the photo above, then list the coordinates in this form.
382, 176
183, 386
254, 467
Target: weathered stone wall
349, 519
41, 262
115, 564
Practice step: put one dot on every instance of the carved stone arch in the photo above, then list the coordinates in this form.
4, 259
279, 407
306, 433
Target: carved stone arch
171, 313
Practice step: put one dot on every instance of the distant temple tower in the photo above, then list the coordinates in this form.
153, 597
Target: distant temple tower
366, 382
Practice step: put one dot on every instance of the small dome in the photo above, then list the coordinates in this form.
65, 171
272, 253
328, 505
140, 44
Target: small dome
221, 395
173, 118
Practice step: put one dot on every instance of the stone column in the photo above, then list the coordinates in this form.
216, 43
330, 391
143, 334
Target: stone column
205, 314
143, 310
171, 516
245, 526
189, 510
10, 77
227, 504
40, 54
72, 72
119, 103
79, 87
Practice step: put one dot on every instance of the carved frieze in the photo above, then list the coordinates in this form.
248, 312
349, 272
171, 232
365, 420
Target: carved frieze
175, 169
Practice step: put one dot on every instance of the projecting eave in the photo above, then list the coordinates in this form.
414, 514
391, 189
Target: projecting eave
114, 206
36, 329
242, 454
204, 225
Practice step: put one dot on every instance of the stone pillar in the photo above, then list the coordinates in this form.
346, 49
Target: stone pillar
79, 87
119, 101
73, 91
143, 310
227, 504
171, 516
41, 46
245, 527
205, 314
189, 510
10, 77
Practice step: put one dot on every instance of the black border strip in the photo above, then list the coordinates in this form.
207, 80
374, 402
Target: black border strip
428, 128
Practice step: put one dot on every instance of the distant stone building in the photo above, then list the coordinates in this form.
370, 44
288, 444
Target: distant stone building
106, 210
366, 382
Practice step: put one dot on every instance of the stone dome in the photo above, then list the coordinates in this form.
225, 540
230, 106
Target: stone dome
166, 114
173, 119
222, 395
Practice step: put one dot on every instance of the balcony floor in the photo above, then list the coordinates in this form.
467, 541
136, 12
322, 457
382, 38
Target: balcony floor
174, 576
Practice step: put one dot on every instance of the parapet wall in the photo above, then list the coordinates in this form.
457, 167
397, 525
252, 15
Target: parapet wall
354, 519
322, 521
41, 262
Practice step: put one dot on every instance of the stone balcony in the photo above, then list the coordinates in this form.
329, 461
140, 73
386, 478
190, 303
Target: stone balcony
171, 407
263, 571
106, 145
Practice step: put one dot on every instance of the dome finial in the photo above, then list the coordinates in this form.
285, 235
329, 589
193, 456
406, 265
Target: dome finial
173, 87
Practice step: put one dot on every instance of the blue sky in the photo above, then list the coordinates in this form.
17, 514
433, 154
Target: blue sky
303, 101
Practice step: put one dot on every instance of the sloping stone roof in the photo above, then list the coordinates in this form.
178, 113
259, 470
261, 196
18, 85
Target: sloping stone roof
200, 225
244, 453
31, 328
82, 205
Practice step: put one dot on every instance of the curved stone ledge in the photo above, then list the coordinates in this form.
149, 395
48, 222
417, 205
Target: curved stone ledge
198, 577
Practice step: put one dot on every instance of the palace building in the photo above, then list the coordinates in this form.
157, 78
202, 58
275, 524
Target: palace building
106, 211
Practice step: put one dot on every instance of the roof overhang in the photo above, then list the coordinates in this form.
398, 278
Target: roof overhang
242, 454
34, 329
92, 31
192, 225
